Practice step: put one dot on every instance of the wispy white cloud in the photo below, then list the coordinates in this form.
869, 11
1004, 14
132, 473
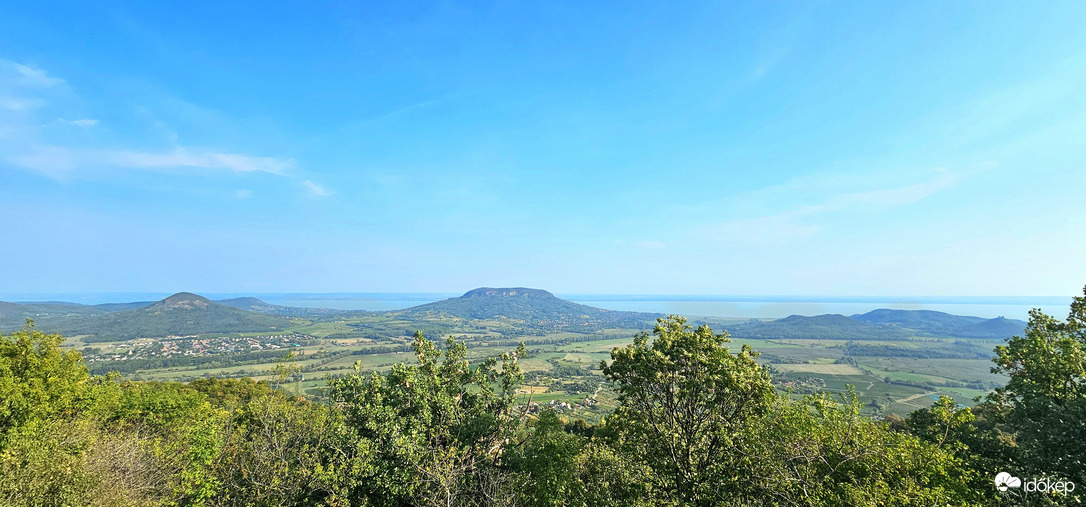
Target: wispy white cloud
55, 154
315, 189
35, 76
899, 196
651, 245
20, 104
767, 63
802, 220
82, 122
53, 161
182, 157
59, 162
405, 111
773, 228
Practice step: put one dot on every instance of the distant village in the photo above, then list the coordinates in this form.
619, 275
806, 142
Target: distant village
194, 345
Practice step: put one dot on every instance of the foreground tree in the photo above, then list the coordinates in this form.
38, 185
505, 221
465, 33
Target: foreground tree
1044, 403
684, 402
544, 461
818, 451
39, 381
44, 394
711, 430
434, 433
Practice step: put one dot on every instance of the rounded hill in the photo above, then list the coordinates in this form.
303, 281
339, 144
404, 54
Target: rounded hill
183, 313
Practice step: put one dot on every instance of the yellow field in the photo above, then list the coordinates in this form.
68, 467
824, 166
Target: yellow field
825, 369
531, 390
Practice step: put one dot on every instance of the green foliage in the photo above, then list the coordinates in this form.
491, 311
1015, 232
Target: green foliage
41, 464
431, 432
684, 402
1044, 402
818, 452
605, 475
229, 393
943, 423
39, 381
971, 435
546, 458
279, 450
48, 403
706, 422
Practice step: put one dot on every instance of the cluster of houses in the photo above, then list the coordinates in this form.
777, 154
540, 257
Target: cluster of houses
195, 345
560, 406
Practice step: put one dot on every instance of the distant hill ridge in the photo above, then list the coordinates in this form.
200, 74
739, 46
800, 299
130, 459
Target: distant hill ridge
933, 323
243, 302
14, 315
828, 326
183, 313
189, 313
257, 305
881, 325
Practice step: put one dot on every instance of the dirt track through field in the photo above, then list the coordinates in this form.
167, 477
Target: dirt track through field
906, 400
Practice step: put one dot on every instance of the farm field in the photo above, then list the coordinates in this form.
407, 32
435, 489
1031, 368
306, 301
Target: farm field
563, 366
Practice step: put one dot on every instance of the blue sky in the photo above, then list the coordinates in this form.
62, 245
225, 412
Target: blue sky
809, 148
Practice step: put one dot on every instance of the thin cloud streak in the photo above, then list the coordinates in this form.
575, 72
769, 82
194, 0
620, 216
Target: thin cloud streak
59, 162
793, 223
315, 189
182, 157
35, 76
19, 104
28, 148
83, 122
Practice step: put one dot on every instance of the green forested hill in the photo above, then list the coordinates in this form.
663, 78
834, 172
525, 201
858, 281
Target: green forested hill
999, 327
880, 325
180, 314
836, 327
14, 315
528, 306
932, 323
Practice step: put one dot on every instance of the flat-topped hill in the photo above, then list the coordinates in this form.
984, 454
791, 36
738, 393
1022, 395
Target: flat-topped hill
530, 306
489, 292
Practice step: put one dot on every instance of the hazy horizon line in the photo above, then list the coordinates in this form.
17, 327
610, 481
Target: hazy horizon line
133, 296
